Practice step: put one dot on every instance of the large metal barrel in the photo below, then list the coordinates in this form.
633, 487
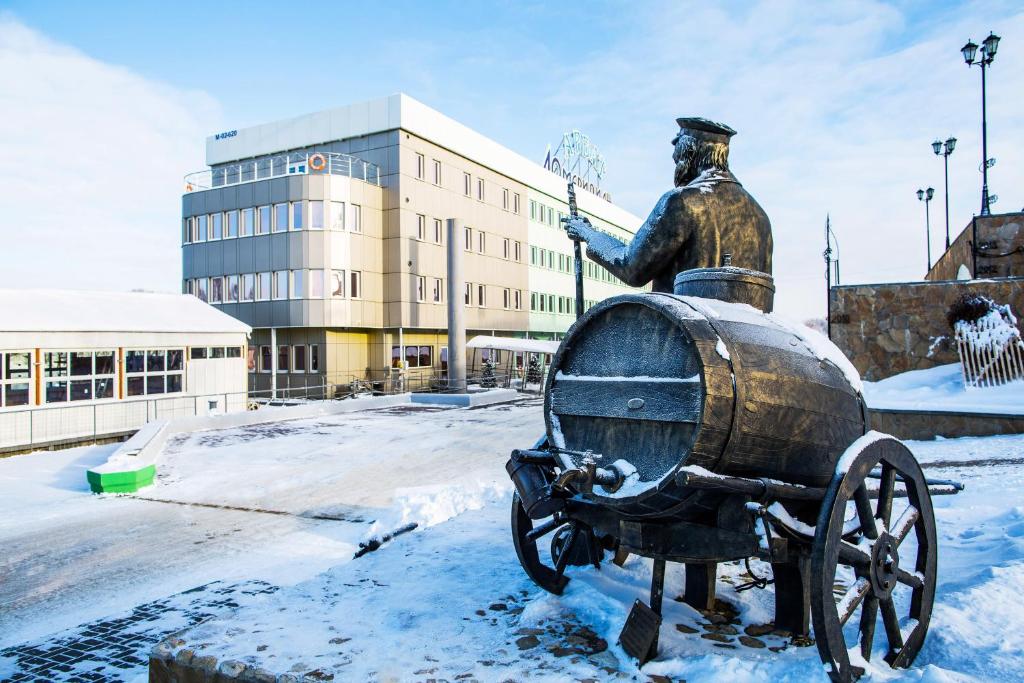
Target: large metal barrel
663, 381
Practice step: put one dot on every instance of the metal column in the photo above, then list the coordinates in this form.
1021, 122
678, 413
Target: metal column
456, 309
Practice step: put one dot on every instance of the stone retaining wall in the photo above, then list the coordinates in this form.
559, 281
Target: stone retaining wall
886, 329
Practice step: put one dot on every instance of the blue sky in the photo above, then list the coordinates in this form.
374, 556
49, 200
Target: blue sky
836, 104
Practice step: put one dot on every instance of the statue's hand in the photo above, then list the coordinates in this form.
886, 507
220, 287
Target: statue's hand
578, 228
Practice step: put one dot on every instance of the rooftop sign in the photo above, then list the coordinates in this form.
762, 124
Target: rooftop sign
577, 158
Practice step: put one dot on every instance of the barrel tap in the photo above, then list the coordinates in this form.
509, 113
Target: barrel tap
588, 473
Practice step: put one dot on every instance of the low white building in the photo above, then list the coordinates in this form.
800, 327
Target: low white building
77, 366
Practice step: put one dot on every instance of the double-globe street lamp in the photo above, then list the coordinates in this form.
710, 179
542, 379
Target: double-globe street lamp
926, 196
988, 53
944, 149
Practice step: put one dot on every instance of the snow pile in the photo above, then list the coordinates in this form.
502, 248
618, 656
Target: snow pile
942, 389
722, 351
428, 506
822, 348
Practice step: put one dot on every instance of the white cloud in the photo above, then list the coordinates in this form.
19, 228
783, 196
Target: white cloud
91, 163
836, 105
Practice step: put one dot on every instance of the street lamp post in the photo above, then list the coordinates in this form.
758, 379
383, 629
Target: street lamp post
926, 196
944, 150
988, 53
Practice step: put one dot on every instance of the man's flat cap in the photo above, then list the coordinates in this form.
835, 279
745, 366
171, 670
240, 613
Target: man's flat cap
704, 129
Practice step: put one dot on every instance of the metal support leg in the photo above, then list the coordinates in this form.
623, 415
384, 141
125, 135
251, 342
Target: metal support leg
793, 595
657, 592
700, 585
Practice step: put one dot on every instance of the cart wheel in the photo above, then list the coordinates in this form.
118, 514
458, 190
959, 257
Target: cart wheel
568, 534
885, 551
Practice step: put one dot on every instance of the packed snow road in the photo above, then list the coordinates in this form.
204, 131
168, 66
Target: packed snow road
288, 503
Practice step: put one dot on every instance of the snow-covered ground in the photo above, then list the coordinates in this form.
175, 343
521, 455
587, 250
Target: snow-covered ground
942, 388
288, 503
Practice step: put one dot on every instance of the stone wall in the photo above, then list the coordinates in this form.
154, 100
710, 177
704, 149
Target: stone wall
886, 329
1000, 249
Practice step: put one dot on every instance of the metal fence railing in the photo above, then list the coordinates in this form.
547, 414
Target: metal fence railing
991, 350
30, 428
292, 163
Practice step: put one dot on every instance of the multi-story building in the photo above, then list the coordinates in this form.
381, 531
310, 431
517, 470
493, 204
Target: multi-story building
327, 234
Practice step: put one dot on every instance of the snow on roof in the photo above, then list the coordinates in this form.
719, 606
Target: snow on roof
510, 344
45, 310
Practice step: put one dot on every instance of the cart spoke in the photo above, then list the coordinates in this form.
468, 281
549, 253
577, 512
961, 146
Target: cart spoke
544, 529
886, 492
913, 580
848, 603
868, 619
892, 625
563, 557
867, 518
852, 555
904, 524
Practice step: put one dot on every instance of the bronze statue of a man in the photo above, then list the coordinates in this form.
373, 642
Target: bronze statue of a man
706, 215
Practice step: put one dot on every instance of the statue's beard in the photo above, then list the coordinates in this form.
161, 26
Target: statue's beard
684, 173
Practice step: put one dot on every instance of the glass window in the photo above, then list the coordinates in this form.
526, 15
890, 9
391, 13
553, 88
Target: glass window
232, 223
467, 184
56, 392
421, 288
518, 251
468, 232
280, 217
280, 284
515, 203
337, 215
357, 218
186, 230
426, 356
175, 359
421, 227
297, 215
265, 359
437, 172
481, 242
355, 284
231, 293
314, 358
316, 214
81, 390
16, 394
316, 284
173, 384
135, 361
519, 299
263, 287
420, 166
396, 356
438, 231
234, 351
248, 222
55, 364
248, 292
469, 294
481, 295
201, 221
506, 298
480, 189
298, 288
412, 356
438, 290
265, 223
217, 352
81, 362
337, 283
198, 352
216, 221
136, 386
299, 358
504, 199
155, 384
282, 358
18, 366
155, 361
216, 290
506, 250
106, 363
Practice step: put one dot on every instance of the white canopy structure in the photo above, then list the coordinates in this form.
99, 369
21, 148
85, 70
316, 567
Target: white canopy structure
511, 344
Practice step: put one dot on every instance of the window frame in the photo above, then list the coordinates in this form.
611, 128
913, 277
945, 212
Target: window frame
30, 380
146, 373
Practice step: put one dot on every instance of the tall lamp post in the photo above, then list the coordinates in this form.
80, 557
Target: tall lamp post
988, 53
944, 150
926, 196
